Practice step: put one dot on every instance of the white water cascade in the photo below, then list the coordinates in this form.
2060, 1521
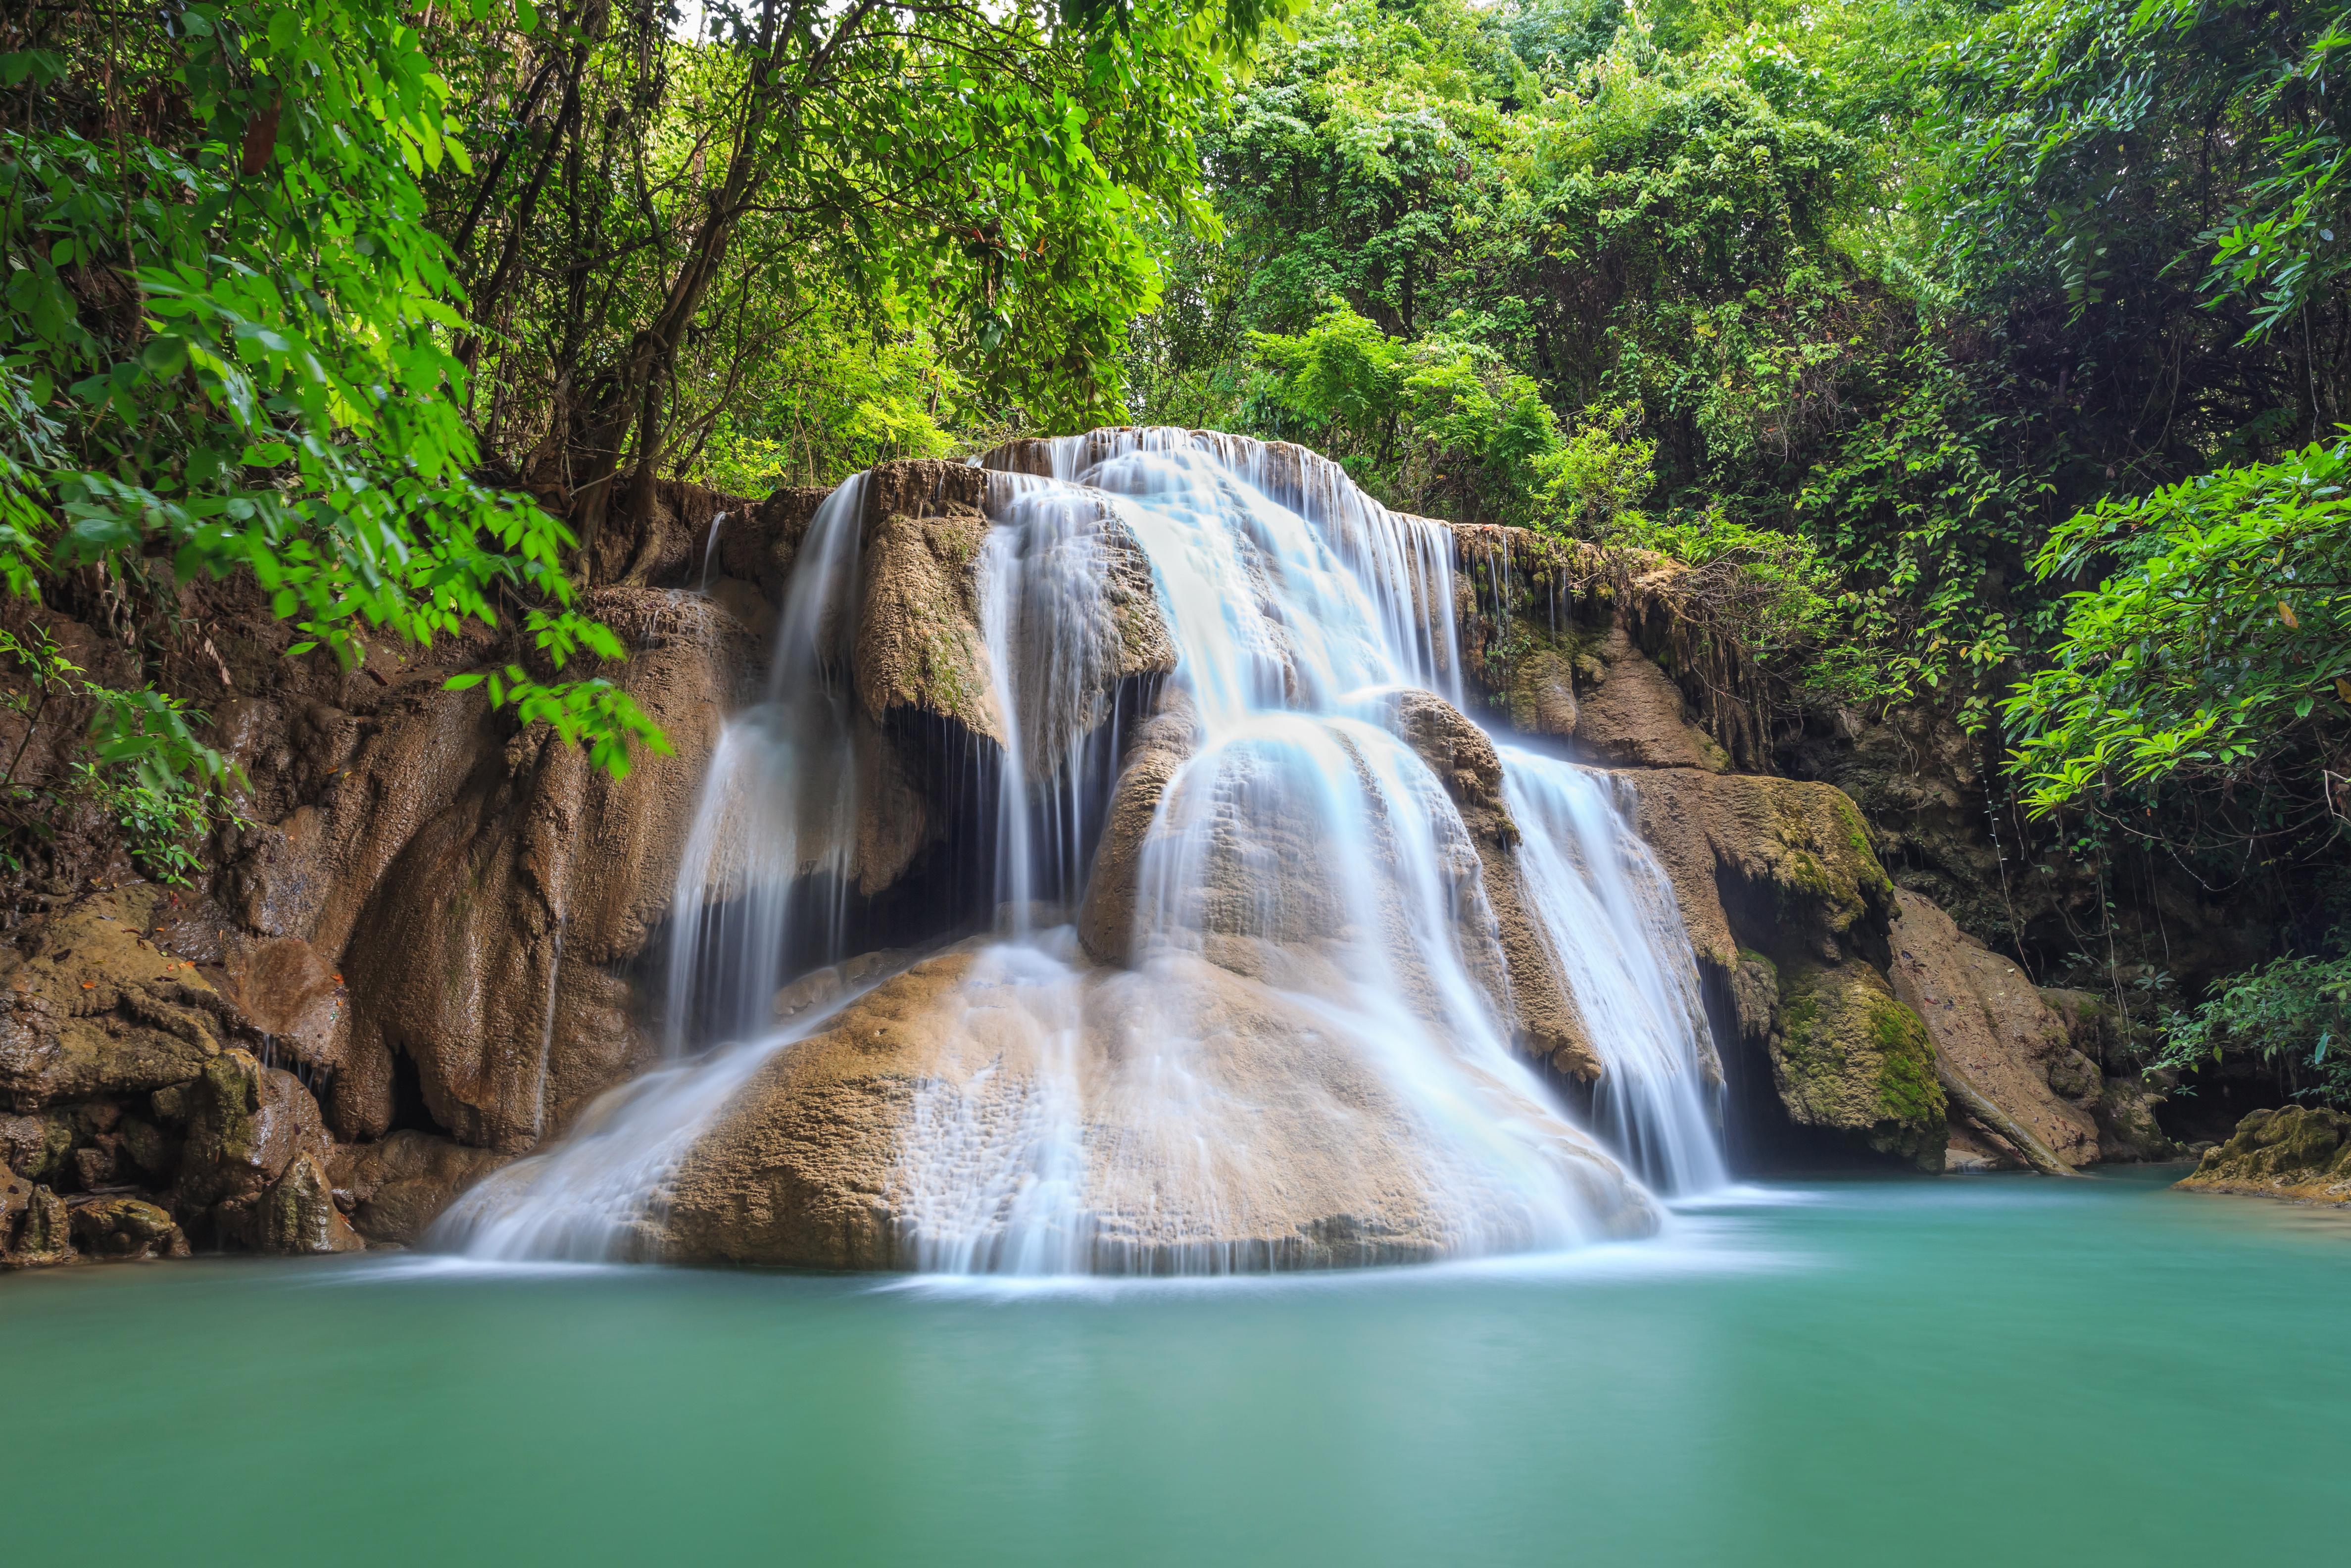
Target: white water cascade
1606, 912
1309, 1015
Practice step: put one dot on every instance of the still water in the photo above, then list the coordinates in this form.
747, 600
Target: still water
1966, 1371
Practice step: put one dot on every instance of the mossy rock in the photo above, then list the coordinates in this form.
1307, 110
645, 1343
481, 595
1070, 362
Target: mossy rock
1848, 1057
2301, 1152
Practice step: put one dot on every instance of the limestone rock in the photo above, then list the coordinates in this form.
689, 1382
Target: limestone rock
117, 1228
510, 997
44, 1234
1162, 745
1634, 716
1987, 1020
2302, 1152
1542, 695
286, 990
398, 1187
36, 1147
1850, 1058
246, 1125
919, 648
758, 545
1777, 866
808, 1164
16, 1199
2128, 1130
90, 1006
297, 1215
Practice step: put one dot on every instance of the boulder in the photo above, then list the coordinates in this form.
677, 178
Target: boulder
2301, 1152
398, 1187
297, 1215
1291, 1152
1848, 1057
246, 1123
116, 1227
2128, 1130
1990, 1025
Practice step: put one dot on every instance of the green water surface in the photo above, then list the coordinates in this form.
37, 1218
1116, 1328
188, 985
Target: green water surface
1980, 1371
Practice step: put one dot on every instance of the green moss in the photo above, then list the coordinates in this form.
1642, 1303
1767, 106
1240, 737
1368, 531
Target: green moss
1847, 1056
1907, 1087
1750, 956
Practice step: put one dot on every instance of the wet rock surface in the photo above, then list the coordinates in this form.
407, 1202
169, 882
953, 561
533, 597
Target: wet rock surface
818, 1160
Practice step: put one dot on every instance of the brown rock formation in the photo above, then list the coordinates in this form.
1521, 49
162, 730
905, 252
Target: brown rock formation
1849, 1058
398, 1186
116, 1227
297, 1215
508, 997
89, 1006
918, 643
1767, 864
43, 1233
2302, 1153
1994, 1029
809, 1164
1634, 716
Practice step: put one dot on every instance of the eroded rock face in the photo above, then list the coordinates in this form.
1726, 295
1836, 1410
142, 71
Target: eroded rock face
919, 647
399, 1186
824, 1157
90, 1006
1989, 1024
1771, 864
491, 954
2302, 1153
1634, 716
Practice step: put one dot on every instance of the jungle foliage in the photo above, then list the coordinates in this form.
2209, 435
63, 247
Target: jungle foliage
2005, 347
1998, 357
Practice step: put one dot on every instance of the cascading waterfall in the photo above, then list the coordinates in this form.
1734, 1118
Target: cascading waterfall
1606, 912
769, 852
1314, 996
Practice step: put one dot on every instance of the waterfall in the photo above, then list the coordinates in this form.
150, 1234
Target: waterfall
765, 874
1313, 997
1606, 912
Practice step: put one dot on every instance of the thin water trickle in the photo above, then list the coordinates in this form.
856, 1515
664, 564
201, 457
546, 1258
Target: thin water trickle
1313, 1010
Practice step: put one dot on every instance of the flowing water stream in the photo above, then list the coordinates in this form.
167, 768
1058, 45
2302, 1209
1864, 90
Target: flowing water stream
1305, 872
